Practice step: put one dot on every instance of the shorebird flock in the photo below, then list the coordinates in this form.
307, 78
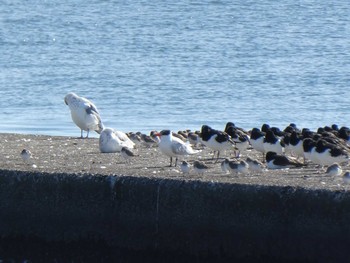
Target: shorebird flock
291, 147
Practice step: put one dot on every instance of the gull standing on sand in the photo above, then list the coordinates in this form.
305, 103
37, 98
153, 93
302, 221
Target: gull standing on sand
112, 141
173, 146
84, 113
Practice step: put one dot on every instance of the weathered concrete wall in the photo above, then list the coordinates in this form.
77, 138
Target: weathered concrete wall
180, 217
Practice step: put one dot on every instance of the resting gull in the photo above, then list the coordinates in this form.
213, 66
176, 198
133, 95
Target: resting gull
112, 141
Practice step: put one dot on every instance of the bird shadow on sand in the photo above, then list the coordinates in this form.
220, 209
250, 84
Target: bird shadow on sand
162, 167
215, 160
82, 138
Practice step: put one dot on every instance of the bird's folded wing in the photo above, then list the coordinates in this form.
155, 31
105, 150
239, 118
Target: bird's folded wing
89, 105
179, 148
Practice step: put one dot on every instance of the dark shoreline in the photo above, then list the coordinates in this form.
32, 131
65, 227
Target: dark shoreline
136, 213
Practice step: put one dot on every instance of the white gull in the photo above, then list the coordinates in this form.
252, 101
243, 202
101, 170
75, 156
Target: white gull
112, 141
84, 113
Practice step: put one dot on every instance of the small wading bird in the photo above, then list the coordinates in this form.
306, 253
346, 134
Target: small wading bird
185, 167
173, 146
127, 154
200, 167
237, 167
334, 170
225, 166
255, 165
346, 177
26, 155
84, 114
148, 140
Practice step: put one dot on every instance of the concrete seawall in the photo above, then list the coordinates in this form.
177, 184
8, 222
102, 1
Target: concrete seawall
179, 217
71, 201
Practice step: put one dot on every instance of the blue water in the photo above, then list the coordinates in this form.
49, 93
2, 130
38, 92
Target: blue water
158, 64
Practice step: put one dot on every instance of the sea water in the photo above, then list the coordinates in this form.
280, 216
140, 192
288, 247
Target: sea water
152, 65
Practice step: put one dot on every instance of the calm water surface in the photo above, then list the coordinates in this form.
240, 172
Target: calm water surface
155, 64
